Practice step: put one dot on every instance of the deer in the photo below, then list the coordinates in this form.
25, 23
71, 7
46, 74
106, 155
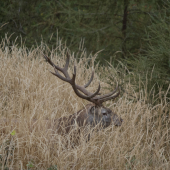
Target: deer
93, 114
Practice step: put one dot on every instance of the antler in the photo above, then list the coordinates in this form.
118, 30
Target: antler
92, 97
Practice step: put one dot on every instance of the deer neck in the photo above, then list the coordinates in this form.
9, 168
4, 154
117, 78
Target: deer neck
82, 115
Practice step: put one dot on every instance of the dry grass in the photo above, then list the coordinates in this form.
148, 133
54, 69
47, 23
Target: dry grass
28, 91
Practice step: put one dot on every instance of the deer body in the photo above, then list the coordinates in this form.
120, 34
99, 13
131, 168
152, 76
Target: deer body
90, 115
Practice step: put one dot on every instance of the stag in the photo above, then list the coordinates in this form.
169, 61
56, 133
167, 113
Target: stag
92, 114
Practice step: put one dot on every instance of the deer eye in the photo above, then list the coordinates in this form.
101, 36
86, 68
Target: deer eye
105, 114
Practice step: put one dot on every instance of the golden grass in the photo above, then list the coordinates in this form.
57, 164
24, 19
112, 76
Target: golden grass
29, 91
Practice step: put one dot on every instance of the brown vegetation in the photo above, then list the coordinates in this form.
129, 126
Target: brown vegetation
28, 92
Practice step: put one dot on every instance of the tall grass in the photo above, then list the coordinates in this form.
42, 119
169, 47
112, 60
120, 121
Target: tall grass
28, 91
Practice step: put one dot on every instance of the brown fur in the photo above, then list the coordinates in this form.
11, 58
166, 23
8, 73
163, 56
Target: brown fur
81, 119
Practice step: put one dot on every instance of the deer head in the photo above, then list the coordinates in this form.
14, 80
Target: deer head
102, 115
93, 114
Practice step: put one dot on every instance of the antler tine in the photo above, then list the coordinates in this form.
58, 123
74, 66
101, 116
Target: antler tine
109, 98
92, 76
107, 95
66, 66
63, 70
72, 82
51, 63
48, 60
67, 61
59, 75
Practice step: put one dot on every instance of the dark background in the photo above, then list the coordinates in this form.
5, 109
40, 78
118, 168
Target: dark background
137, 33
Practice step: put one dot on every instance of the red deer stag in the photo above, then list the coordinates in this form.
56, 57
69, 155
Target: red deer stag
93, 114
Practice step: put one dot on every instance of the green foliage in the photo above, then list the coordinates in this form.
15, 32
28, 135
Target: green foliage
155, 62
52, 167
139, 30
99, 24
30, 165
158, 43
